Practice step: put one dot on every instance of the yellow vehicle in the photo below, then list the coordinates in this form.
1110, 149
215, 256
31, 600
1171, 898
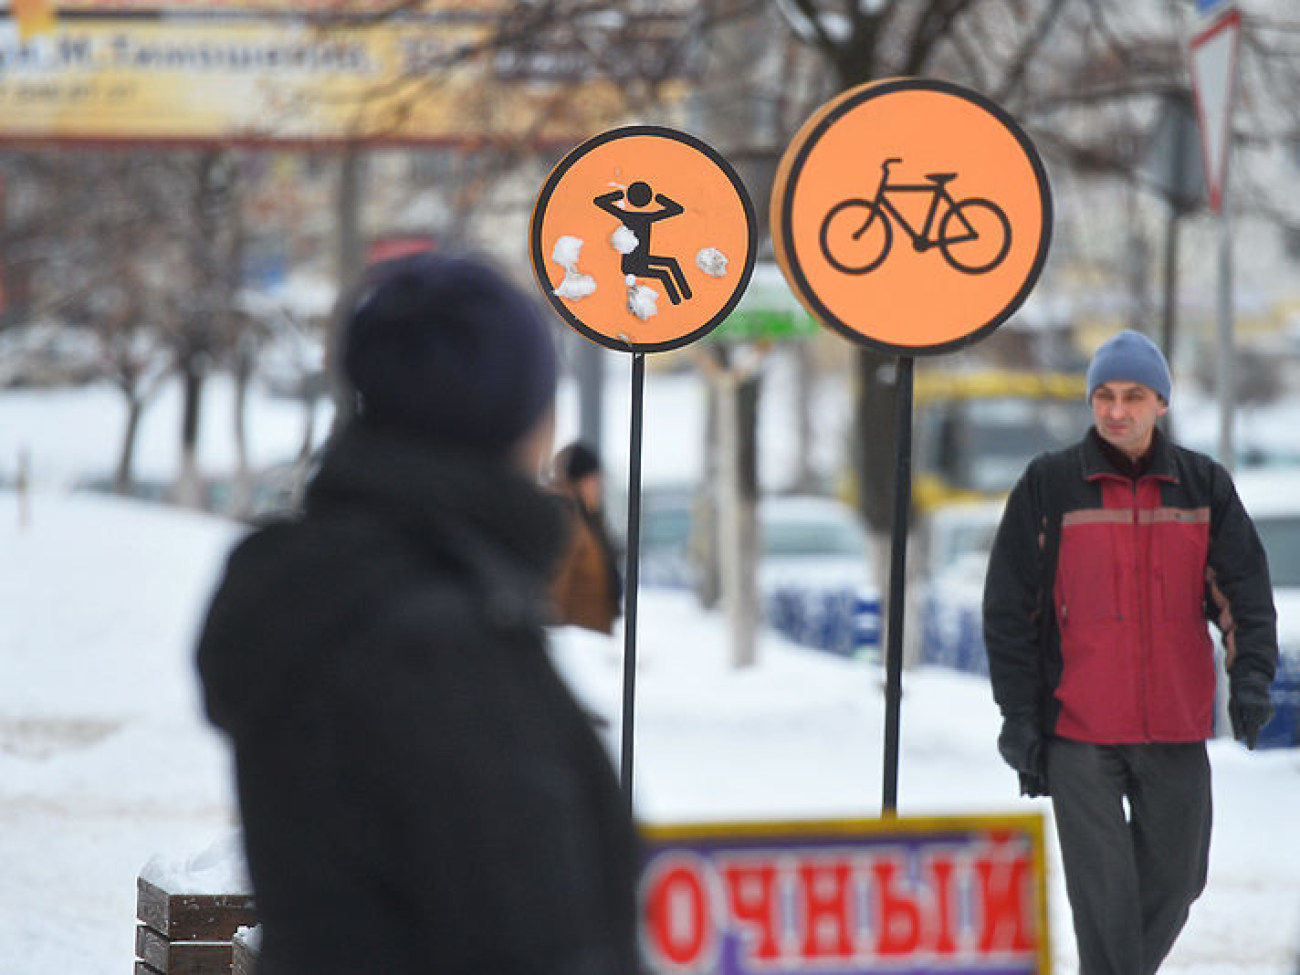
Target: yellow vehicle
976, 430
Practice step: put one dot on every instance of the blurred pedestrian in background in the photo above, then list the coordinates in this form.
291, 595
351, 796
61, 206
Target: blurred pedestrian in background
1111, 556
419, 791
588, 586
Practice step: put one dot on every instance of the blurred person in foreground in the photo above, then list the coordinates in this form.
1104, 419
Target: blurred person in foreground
1111, 556
419, 791
588, 588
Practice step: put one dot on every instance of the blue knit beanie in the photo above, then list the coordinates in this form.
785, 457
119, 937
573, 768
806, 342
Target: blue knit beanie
1130, 357
447, 347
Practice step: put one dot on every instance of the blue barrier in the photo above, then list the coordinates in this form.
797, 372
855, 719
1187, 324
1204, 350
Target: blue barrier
952, 636
843, 622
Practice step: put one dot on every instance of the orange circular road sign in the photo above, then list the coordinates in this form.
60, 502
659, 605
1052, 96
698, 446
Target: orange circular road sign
911, 215
643, 238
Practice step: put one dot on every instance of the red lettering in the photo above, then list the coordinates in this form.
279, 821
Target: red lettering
1004, 893
898, 928
678, 929
751, 894
827, 910
942, 866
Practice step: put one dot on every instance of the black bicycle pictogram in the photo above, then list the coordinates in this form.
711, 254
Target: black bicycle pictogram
974, 234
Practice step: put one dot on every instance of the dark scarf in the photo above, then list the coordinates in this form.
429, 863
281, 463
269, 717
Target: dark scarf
1122, 462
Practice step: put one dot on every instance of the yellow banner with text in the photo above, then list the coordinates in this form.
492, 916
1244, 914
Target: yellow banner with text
267, 80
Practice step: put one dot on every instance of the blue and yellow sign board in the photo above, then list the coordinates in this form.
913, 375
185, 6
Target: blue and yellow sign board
288, 73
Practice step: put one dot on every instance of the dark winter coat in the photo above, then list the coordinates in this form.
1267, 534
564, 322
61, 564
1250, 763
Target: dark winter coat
587, 586
420, 792
1098, 591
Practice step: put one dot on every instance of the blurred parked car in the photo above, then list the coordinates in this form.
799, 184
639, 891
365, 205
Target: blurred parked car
957, 540
816, 575
667, 533
815, 571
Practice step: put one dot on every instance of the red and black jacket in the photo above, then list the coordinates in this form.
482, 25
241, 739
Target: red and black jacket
1099, 588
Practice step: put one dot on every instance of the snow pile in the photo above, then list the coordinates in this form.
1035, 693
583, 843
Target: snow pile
712, 262
624, 240
218, 869
250, 936
643, 301
575, 285
106, 761
108, 767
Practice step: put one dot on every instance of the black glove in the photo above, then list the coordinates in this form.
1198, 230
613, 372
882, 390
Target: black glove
1249, 709
1021, 746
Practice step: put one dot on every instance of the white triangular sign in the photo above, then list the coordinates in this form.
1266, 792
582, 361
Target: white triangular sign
1213, 60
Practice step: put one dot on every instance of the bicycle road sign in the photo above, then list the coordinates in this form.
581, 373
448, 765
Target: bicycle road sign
911, 215
643, 238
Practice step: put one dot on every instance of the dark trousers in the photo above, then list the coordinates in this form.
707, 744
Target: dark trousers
1134, 827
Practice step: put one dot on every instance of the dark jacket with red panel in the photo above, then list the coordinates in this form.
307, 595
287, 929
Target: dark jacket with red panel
1099, 588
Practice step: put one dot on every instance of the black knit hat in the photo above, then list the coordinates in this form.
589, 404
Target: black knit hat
447, 347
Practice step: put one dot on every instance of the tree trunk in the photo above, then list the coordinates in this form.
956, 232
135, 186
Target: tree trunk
189, 490
738, 515
748, 597
123, 477
240, 504
805, 479
704, 540
350, 260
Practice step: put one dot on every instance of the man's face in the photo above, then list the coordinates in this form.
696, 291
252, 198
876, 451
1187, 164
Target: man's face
1125, 415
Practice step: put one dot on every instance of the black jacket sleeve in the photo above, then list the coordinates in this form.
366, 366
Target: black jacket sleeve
1014, 601
1240, 589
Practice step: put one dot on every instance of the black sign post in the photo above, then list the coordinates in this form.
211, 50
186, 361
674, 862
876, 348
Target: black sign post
633, 575
897, 581
643, 239
841, 241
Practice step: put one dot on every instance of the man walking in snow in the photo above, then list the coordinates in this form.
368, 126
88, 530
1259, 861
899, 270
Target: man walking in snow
419, 791
1111, 556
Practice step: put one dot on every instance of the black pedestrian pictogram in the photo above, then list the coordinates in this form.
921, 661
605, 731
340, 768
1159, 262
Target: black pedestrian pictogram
638, 260
974, 235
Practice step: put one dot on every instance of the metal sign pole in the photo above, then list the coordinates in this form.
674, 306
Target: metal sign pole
897, 581
1227, 365
632, 575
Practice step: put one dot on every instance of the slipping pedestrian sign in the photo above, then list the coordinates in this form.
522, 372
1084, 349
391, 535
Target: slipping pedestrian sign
643, 239
911, 215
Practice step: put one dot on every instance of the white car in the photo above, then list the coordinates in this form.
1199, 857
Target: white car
816, 574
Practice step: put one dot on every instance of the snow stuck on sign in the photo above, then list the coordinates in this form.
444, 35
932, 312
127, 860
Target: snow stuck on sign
712, 262
643, 301
623, 240
575, 285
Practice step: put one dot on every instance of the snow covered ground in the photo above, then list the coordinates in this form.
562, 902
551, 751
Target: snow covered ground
106, 762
